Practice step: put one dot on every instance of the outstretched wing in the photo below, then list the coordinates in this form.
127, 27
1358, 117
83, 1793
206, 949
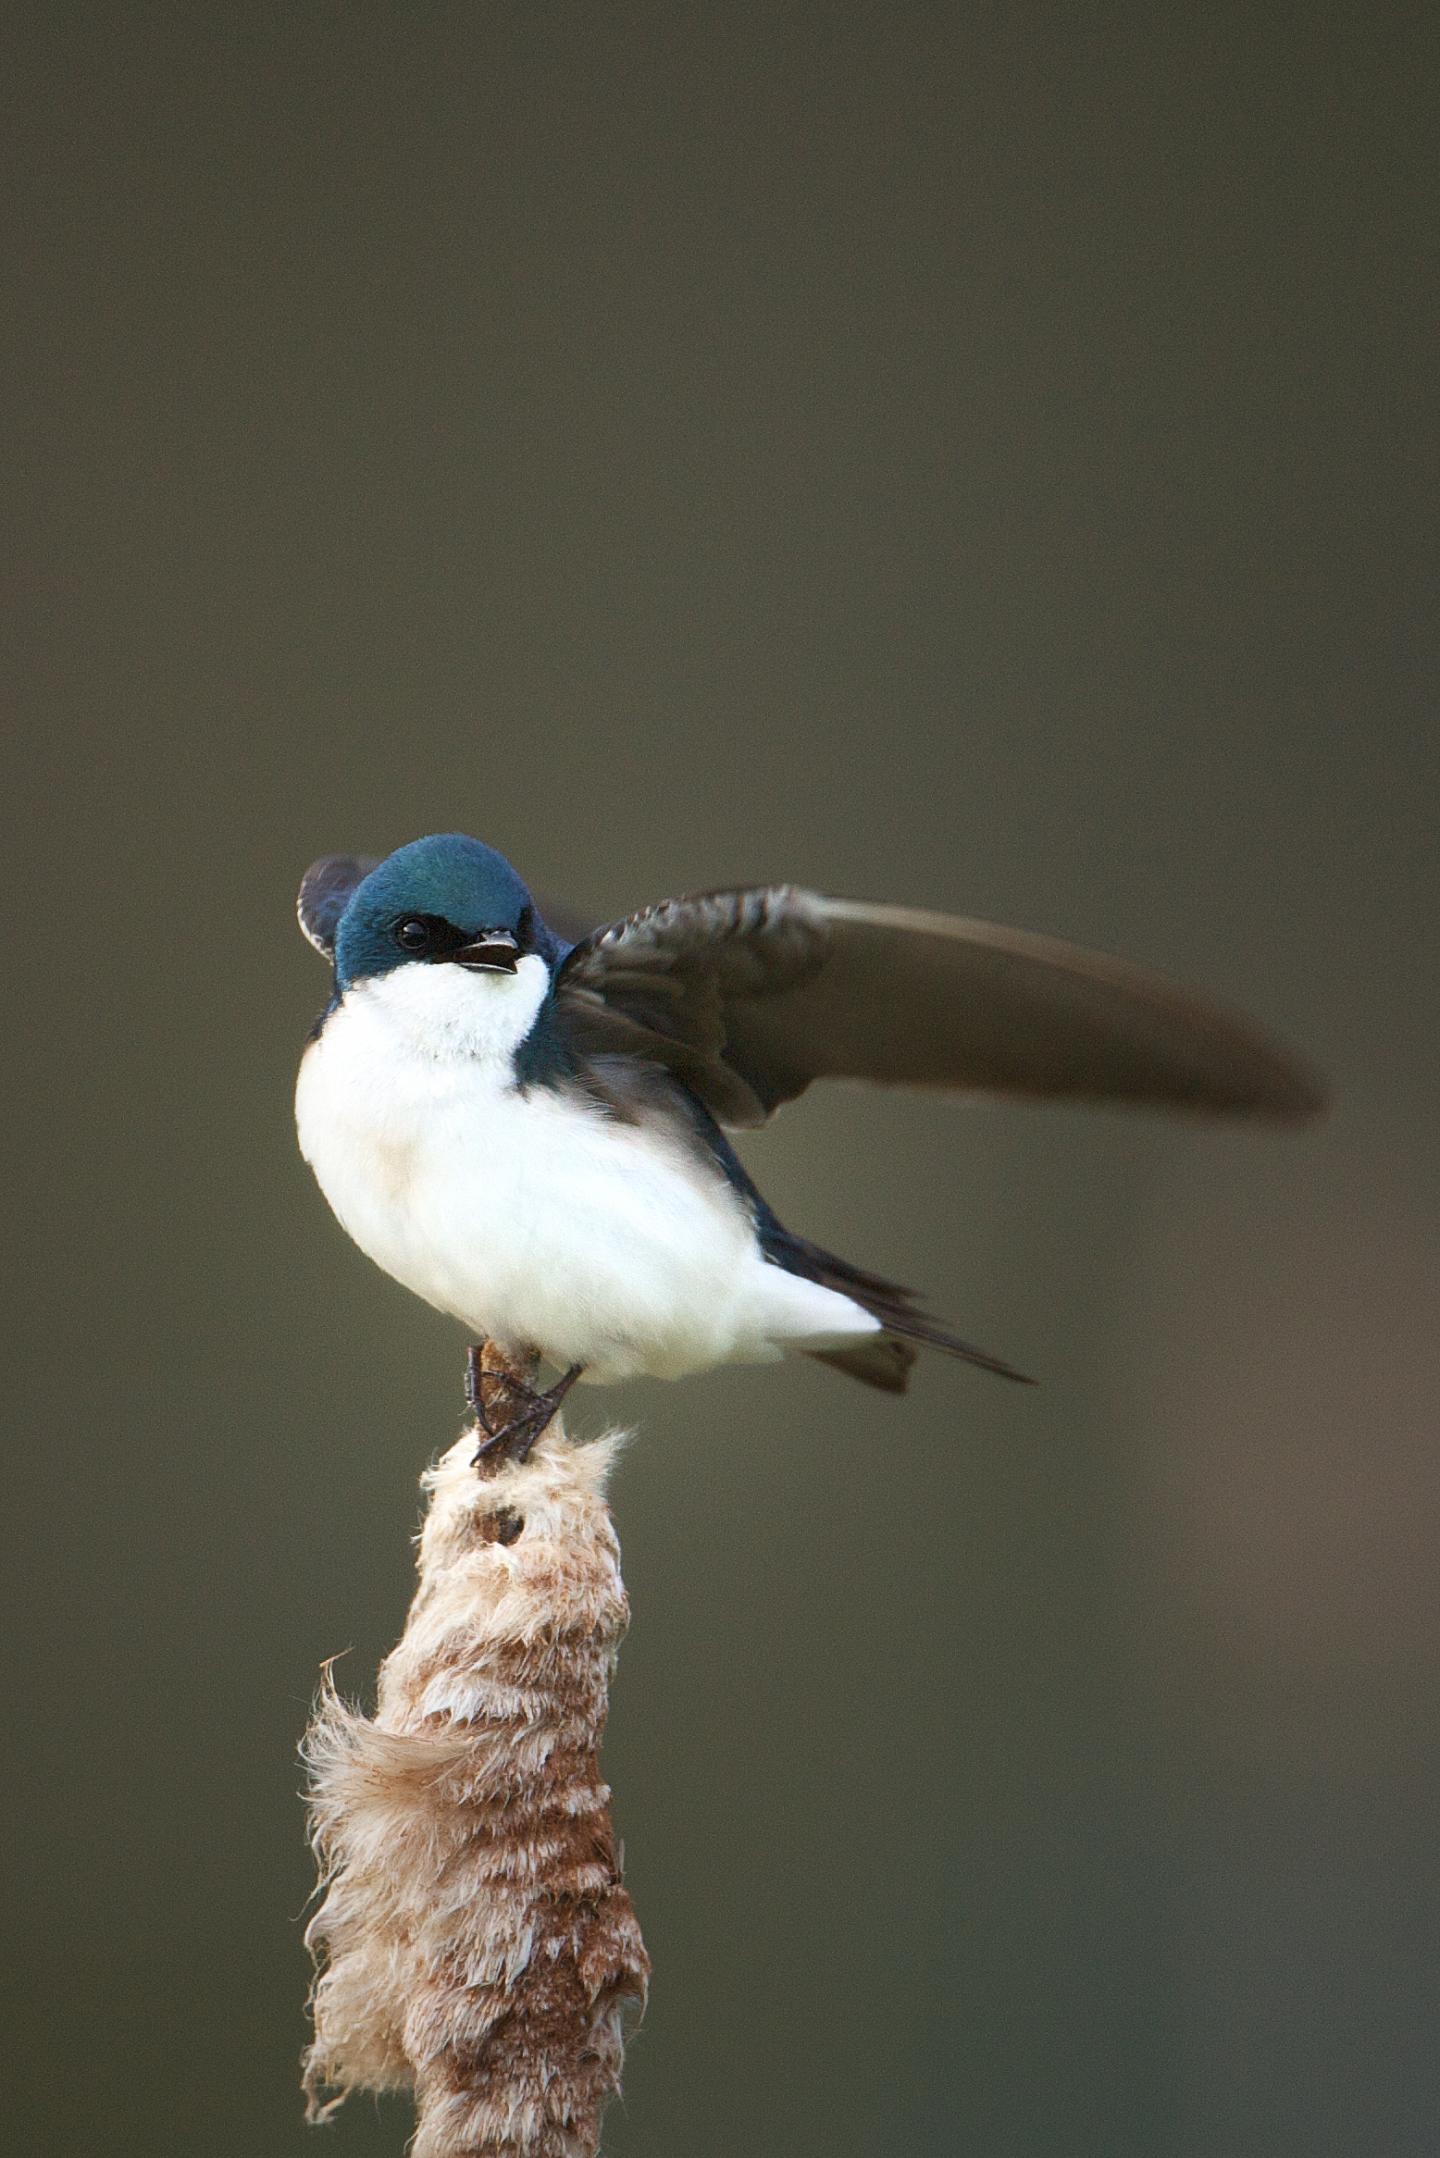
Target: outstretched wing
750, 995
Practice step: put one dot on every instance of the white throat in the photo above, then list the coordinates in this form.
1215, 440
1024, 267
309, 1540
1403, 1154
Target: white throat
450, 1014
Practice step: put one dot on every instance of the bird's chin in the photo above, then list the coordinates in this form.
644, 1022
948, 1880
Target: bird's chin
467, 1012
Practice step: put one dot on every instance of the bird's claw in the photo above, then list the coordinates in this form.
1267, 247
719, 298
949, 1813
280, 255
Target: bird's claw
513, 1436
514, 1439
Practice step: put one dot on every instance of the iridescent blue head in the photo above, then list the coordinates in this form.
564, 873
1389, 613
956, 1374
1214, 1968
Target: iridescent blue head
446, 900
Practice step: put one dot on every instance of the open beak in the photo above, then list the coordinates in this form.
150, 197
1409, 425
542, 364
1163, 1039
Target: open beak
495, 951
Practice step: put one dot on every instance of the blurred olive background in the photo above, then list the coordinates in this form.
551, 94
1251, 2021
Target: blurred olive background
977, 457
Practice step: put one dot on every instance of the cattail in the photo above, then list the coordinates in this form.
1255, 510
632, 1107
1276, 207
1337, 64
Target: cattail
476, 1941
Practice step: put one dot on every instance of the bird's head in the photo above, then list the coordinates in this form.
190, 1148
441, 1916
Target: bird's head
431, 929
447, 901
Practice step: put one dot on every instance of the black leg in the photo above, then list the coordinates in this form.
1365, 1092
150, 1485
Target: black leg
517, 1433
491, 1380
475, 1376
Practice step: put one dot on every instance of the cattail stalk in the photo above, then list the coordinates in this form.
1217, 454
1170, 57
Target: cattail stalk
476, 1943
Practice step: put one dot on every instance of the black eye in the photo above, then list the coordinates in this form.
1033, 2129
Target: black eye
412, 935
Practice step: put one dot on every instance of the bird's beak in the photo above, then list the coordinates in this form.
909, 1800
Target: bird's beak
495, 951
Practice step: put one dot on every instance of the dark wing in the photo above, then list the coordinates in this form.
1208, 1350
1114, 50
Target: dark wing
750, 995
325, 892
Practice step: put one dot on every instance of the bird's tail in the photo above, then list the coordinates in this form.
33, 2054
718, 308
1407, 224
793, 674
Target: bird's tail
886, 1360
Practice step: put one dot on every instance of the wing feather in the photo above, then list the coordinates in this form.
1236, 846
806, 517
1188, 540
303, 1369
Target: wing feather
750, 995
325, 891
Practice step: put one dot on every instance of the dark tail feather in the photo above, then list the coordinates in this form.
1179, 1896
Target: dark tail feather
884, 1362
915, 1326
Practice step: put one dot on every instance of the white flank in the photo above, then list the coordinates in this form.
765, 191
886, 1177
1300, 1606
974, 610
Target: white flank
534, 1217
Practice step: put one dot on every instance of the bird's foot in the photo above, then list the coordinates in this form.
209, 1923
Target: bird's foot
507, 1408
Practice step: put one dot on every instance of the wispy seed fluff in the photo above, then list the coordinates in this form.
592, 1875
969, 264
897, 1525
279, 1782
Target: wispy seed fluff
476, 1943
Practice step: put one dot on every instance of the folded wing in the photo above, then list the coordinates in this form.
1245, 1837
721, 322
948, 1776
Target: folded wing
325, 891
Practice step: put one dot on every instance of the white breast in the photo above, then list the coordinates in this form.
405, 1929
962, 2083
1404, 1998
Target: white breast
533, 1215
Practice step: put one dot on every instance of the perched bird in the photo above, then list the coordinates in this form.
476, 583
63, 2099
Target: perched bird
526, 1129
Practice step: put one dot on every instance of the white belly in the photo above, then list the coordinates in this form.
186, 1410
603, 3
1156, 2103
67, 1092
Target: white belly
539, 1220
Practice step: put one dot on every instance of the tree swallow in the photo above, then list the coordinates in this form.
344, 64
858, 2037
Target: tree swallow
525, 1126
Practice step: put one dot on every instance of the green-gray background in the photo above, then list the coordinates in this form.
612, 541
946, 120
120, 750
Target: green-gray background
974, 456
